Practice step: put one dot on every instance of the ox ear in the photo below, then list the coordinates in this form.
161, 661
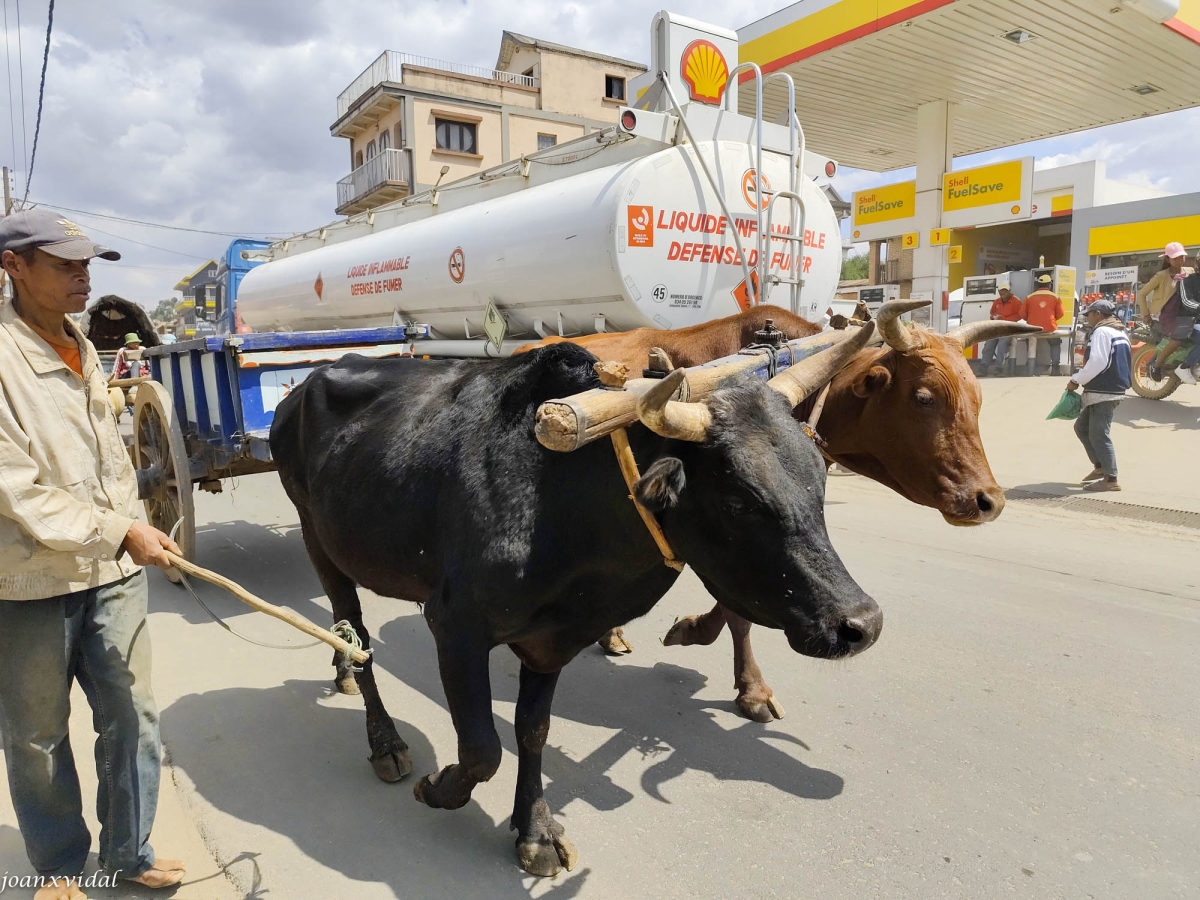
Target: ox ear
873, 381
660, 487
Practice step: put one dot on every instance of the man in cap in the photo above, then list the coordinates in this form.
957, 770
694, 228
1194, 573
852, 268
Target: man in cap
1044, 309
122, 367
72, 589
1106, 376
1007, 307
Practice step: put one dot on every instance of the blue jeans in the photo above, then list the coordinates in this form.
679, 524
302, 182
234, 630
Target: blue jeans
994, 351
1193, 358
98, 636
1092, 429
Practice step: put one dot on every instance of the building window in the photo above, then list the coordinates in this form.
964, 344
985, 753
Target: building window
546, 141
370, 150
385, 141
457, 137
614, 87
358, 160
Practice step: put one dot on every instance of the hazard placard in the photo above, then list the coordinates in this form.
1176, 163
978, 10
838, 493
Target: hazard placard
742, 295
494, 325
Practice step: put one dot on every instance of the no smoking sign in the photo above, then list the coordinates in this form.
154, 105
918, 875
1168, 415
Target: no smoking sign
458, 265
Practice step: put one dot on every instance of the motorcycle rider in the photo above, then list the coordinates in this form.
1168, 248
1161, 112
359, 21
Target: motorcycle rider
1155, 293
1189, 296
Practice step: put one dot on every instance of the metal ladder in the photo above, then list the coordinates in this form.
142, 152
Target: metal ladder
759, 292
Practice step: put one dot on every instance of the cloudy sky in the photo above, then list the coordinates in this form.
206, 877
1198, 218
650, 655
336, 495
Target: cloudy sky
215, 115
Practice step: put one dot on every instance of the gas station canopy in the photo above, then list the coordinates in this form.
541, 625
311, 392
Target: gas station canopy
1016, 70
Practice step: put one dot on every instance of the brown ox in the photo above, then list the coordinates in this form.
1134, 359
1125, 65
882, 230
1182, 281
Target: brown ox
905, 414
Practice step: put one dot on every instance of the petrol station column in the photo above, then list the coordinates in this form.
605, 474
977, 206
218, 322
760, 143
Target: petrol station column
935, 156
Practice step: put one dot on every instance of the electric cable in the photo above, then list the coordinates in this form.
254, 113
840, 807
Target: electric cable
41, 96
21, 70
96, 215
12, 125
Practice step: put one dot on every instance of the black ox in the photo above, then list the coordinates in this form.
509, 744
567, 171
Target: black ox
423, 480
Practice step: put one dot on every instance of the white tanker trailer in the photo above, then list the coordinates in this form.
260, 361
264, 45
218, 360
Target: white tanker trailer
657, 221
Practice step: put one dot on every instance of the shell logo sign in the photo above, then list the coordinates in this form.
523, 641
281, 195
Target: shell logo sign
704, 71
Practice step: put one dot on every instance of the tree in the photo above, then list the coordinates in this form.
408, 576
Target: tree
165, 311
855, 268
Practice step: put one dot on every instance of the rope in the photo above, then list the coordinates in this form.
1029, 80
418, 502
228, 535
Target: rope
772, 353
356, 642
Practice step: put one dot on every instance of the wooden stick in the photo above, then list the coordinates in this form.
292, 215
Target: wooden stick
629, 470
570, 423
284, 615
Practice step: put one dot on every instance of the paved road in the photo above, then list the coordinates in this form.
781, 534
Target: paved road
1027, 724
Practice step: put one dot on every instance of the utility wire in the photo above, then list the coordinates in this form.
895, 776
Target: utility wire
12, 125
96, 215
21, 69
41, 95
130, 240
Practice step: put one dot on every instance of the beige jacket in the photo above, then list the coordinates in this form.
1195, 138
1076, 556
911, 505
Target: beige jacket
68, 492
1159, 289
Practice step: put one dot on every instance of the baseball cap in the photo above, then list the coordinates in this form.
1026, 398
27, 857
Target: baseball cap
1104, 307
1174, 250
52, 232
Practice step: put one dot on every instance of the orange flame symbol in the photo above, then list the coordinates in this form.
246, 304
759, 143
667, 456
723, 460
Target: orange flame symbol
705, 71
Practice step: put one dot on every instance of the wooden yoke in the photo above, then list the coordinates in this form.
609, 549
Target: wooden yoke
570, 423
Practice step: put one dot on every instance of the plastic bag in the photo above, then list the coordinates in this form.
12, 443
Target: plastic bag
1067, 407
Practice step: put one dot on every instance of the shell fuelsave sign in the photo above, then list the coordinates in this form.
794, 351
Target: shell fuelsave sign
986, 195
884, 211
705, 71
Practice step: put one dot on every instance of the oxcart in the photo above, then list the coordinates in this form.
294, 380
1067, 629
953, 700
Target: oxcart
205, 413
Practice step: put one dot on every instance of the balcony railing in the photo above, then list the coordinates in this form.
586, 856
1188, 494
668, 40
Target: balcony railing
390, 66
388, 167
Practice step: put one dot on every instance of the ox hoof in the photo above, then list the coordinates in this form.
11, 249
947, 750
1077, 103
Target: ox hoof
615, 644
346, 683
756, 708
546, 856
391, 766
447, 789
692, 630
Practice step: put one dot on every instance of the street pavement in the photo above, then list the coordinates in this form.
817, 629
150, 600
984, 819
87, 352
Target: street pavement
1026, 726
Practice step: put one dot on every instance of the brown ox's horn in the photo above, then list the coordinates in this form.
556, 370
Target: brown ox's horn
671, 418
808, 375
974, 332
894, 333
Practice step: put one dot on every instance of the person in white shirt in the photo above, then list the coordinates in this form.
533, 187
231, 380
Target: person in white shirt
1105, 377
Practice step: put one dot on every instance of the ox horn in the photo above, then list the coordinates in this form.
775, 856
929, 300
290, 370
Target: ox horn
800, 380
671, 418
974, 332
896, 335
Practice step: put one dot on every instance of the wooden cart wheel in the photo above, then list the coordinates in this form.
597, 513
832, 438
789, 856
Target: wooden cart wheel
158, 441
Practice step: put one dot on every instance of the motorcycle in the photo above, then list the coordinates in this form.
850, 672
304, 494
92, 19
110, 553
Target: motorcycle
1152, 339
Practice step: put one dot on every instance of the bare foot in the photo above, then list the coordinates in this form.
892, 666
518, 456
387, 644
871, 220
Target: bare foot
60, 889
164, 873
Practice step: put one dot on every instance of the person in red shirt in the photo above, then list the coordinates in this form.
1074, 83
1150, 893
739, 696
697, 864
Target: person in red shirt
1044, 309
1006, 308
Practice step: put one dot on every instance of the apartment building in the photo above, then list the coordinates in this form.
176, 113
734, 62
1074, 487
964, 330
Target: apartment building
411, 121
